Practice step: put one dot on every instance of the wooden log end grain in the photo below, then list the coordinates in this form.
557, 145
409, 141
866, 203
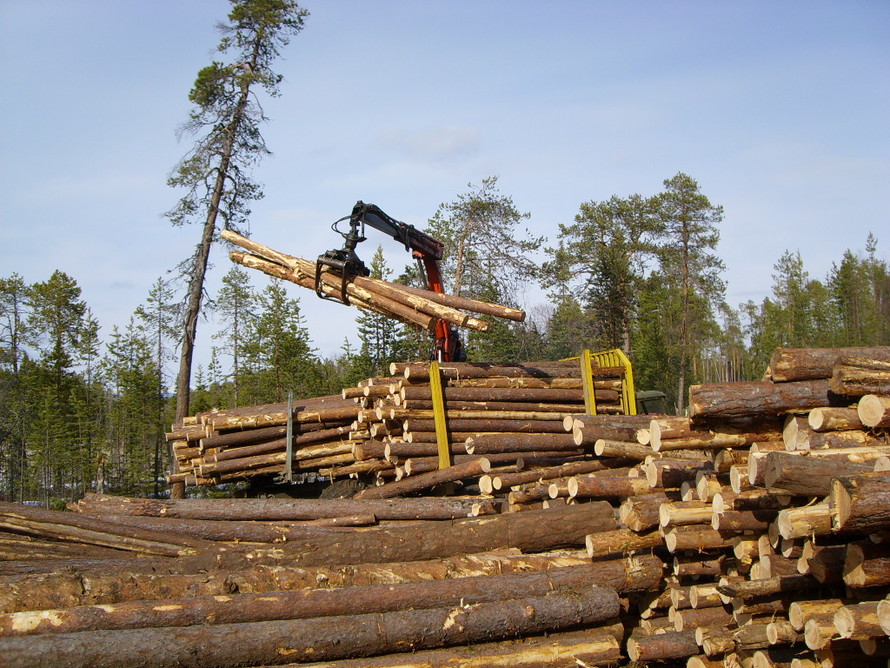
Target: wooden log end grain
874, 410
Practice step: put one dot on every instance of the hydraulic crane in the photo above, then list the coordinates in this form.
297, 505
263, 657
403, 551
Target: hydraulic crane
426, 250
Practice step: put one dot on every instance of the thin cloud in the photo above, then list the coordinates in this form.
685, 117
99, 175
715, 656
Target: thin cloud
443, 144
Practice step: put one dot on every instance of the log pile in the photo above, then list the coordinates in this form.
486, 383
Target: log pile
496, 415
752, 533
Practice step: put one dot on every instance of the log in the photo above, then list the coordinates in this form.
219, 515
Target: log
858, 621
93, 531
867, 565
676, 513
428, 508
299, 604
518, 442
874, 410
594, 647
620, 541
721, 401
148, 579
314, 639
529, 531
695, 537
752, 589
688, 620
503, 481
642, 511
662, 646
788, 473
861, 503
598, 486
671, 473
834, 419
790, 364
814, 520
800, 612
857, 376
739, 521
421, 481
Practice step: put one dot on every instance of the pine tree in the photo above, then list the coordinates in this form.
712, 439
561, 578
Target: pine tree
278, 353
235, 307
484, 248
215, 173
691, 269
601, 259
379, 336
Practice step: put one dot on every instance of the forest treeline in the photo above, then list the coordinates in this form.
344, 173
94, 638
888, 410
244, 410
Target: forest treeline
84, 410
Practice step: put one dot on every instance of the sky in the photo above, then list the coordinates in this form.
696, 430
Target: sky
779, 109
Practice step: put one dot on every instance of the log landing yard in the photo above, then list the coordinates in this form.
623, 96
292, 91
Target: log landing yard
471, 514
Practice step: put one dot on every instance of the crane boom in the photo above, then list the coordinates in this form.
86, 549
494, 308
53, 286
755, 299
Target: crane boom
427, 250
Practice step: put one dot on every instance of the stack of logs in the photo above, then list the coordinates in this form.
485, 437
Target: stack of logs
755, 532
510, 415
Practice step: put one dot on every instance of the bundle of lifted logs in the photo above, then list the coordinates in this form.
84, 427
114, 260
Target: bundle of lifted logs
753, 532
414, 306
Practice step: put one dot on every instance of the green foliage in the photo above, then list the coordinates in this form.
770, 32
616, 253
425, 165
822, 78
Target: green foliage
278, 353
483, 245
380, 337
604, 253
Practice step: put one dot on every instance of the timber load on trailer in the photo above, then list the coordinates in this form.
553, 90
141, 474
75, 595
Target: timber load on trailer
424, 416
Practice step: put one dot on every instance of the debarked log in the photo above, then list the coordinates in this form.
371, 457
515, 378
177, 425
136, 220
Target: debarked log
315, 639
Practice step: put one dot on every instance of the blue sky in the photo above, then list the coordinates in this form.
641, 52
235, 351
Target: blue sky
778, 109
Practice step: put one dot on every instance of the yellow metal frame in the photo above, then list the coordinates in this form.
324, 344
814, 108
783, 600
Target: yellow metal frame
607, 358
439, 416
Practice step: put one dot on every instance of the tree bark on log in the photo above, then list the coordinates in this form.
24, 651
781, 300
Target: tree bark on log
592, 647
531, 531
721, 401
416, 483
314, 639
856, 376
867, 565
662, 646
861, 503
620, 541
788, 473
159, 579
299, 604
420, 508
834, 419
485, 444
791, 364
93, 531
642, 511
